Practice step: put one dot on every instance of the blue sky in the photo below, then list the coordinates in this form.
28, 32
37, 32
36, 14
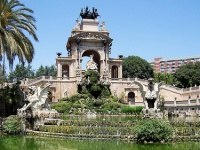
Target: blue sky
144, 28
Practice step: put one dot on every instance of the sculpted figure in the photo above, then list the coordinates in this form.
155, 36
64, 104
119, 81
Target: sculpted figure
37, 98
89, 15
150, 93
77, 26
150, 96
91, 65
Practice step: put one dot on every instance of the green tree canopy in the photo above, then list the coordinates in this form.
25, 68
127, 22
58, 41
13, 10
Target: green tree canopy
164, 77
15, 22
46, 71
134, 66
20, 72
188, 75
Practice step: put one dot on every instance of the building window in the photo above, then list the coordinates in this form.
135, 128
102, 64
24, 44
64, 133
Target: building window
114, 73
65, 71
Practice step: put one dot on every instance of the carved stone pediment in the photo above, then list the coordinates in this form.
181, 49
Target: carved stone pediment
91, 36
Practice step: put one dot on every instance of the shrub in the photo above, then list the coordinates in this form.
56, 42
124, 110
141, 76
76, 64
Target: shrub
132, 109
76, 97
12, 125
76, 105
111, 106
153, 130
61, 107
98, 103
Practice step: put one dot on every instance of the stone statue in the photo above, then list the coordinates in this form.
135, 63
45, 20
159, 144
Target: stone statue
91, 65
65, 93
37, 98
150, 96
106, 71
77, 26
37, 107
103, 27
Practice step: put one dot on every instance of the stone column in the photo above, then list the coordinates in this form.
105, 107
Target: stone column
59, 70
105, 60
78, 57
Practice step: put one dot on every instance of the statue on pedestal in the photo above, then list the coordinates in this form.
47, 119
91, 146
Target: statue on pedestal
150, 94
89, 15
37, 107
91, 65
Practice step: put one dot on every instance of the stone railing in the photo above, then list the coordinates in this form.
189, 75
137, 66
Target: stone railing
191, 102
173, 87
186, 89
29, 82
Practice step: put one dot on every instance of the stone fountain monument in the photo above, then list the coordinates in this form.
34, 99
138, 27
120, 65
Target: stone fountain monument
37, 108
150, 98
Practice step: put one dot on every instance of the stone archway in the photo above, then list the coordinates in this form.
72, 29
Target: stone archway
96, 57
131, 98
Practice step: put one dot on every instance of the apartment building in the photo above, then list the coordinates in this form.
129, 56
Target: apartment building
171, 65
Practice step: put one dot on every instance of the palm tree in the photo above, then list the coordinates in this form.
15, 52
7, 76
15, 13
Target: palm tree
15, 22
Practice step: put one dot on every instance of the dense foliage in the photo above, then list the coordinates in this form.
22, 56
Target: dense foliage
166, 78
83, 103
188, 75
12, 125
132, 109
153, 130
46, 71
16, 21
134, 66
22, 71
62, 107
11, 98
92, 85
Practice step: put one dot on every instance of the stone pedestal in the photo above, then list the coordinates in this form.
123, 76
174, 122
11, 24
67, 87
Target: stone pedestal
152, 113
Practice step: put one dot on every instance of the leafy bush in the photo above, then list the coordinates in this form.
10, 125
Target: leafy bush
132, 109
95, 88
111, 106
61, 107
105, 91
12, 125
76, 105
98, 103
153, 130
76, 97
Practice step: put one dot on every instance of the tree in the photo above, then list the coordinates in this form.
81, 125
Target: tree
21, 72
187, 75
15, 21
134, 66
46, 71
11, 98
167, 78
3, 75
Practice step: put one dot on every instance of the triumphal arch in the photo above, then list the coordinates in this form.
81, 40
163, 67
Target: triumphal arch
88, 38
